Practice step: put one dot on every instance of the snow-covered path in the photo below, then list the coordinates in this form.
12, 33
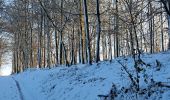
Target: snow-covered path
30, 86
19, 89
8, 89
13, 88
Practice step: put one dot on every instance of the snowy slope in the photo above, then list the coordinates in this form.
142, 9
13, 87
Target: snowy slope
82, 82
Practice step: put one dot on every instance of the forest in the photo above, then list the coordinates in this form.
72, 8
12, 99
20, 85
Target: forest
48, 33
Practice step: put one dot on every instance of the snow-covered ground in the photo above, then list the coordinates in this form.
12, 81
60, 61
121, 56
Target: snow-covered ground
83, 82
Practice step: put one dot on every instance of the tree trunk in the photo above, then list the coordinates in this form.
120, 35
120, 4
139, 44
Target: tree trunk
98, 32
48, 45
117, 32
60, 37
169, 32
87, 32
162, 34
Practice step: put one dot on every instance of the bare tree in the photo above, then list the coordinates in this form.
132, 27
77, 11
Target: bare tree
98, 31
87, 32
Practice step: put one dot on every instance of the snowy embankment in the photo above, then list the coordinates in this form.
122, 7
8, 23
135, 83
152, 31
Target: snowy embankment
83, 82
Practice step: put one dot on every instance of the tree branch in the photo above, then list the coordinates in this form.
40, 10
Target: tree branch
165, 6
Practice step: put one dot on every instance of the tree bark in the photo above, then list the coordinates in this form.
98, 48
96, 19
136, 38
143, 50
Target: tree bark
87, 33
98, 32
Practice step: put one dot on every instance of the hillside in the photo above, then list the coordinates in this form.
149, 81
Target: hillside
84, 82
